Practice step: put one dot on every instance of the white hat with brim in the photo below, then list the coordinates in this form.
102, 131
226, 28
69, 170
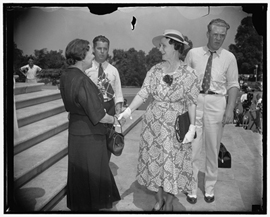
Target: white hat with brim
170, 33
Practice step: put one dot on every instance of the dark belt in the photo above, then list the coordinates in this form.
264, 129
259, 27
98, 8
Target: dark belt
208, 92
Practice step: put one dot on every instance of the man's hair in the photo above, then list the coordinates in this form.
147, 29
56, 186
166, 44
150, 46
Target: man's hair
218, 22
100, 38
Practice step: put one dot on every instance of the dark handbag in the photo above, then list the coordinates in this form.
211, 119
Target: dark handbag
181, 126
115, 141
224, 157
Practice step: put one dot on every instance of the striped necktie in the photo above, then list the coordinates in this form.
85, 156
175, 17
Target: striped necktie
207, 74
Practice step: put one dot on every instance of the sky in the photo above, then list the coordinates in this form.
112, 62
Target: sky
54, 28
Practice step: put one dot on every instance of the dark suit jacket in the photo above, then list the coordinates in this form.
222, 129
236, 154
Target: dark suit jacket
84, 101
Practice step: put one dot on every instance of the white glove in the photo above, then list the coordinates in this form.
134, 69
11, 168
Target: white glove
190, 134
125, 114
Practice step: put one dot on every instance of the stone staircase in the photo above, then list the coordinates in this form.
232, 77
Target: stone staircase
40, 152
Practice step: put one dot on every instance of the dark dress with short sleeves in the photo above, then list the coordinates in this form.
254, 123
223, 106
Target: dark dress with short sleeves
90, 185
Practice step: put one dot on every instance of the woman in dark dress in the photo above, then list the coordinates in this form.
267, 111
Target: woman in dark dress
90, 184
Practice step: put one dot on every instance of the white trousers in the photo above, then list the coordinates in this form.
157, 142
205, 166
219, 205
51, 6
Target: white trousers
34, 80
209, 115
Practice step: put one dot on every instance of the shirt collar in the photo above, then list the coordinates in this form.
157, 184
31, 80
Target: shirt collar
206, 50
183, 64
96, 64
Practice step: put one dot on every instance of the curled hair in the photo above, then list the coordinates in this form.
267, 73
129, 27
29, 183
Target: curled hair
177, 45
100, 38
218, 22
76, 51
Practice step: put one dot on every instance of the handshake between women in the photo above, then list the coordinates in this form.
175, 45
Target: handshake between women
122, 117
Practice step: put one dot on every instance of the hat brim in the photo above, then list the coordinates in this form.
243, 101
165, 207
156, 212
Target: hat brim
156, 41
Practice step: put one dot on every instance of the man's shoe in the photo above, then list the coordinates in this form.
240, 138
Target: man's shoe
209, 199
191, 200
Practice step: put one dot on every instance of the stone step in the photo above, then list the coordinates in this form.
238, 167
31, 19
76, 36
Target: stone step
34, 98
22, 88
38, 158
41, 191
39, 131
61, 206
38, 112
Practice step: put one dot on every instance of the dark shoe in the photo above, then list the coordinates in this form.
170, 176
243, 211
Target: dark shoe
191, 200
160, 208
209, 199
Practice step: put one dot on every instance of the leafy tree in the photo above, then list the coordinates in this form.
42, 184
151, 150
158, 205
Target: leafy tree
139, 65
152, 58
19, 60
17, 57
248, 48
131, 66
120, 61
52, 63
49, 59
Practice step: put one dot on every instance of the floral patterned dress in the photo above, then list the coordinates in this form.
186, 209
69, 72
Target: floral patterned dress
163, 161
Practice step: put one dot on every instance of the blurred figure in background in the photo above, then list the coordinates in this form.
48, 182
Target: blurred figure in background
30, 71
259, 111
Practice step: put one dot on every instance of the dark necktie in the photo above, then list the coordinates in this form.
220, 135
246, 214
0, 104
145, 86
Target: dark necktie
108, 90
207, 74
101, 73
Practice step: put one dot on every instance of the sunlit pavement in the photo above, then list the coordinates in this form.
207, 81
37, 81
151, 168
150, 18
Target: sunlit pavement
238, 190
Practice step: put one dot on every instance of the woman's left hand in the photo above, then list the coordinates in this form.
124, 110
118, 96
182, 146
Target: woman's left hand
116, 123
190, 134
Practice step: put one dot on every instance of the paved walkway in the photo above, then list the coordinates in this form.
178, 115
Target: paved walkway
238, 190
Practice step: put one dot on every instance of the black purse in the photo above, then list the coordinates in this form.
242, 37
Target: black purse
115, 141
181, 126
224, 157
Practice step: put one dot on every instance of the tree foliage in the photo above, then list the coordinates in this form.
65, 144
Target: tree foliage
154, 56
51, 62
18, 58
248, 48
49, 59
131, 64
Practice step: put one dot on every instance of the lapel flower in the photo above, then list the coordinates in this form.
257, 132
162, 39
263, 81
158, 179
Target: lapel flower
168, 79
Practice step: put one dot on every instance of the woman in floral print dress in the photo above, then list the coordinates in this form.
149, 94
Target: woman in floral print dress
164, 164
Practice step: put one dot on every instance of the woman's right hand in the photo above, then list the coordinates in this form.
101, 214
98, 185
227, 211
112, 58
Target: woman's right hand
125, 114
